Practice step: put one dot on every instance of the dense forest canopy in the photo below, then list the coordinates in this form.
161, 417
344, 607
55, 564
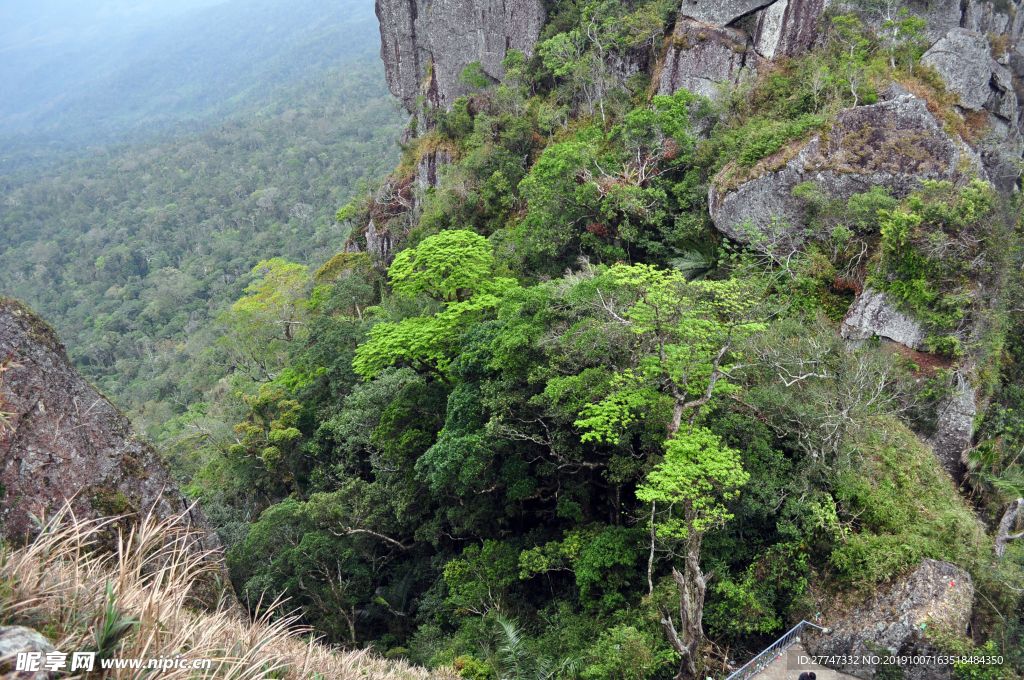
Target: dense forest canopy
134, 252
112, 81
519, 407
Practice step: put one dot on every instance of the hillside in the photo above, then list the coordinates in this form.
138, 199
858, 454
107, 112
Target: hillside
134, 252
671, 325
82, 87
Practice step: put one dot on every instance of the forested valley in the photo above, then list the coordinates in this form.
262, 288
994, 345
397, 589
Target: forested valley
498, 388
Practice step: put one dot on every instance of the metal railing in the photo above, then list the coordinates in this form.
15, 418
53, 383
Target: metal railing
773, 652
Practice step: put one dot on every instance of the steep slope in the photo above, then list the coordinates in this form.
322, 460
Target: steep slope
64, 441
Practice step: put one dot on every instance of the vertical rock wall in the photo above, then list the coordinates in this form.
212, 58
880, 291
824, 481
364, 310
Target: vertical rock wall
427, 44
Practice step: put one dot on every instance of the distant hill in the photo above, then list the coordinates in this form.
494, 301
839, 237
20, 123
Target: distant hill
90, 241
94, 82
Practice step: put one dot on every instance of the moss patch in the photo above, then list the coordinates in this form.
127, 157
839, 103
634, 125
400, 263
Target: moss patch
906, 509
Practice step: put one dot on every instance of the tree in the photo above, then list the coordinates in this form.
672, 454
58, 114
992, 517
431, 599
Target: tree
271, 314
454, 269
688, 335
697, 475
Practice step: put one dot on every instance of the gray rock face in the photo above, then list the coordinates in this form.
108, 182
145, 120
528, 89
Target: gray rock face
964, 60
938, 594
721, 12
15, 639
398, 205
788, 27
871, 314
427, 44
701, 56
955, 428
69, 441
941, 15
1001, 152
984, 17
893, 144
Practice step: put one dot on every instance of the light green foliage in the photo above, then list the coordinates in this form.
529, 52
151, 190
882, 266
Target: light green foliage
271, 314
690, 331
698, 475
478, 582
906, 506
603, 188
454, 267
942, 249
451, 267
472, 668
625, 653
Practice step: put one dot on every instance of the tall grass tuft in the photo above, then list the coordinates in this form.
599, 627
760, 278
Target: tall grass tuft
136, 601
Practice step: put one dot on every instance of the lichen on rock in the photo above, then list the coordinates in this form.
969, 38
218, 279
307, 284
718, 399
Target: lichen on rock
893, 144
69, 443
937, 595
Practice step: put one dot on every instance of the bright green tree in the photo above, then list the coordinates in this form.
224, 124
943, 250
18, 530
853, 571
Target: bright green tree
688, 335
272, 313
454, 269
697, 475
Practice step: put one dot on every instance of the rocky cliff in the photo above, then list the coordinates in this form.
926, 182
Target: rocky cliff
64, 441
427, 44
897, 621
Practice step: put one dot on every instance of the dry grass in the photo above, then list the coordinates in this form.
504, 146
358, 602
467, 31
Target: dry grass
77, 596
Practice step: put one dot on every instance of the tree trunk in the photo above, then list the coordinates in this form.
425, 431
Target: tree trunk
1003, 536
692, 585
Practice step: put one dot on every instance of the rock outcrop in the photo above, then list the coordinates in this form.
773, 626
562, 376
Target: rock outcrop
894, 144
397, 206
427, 44
788, 27
69, 442
721, 12
872, 315
701, 56
963, 58
937, 595
955, 428
17, 639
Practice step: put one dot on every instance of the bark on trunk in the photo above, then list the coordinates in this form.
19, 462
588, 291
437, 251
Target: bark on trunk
1003, 536
692, 585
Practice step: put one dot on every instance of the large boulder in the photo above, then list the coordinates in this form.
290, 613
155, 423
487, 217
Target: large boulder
721, 12
937, 595
955, 427
18, 639
964, 60
701, 56
788, 27
894, 144
872, 315
69, 443
427, 44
